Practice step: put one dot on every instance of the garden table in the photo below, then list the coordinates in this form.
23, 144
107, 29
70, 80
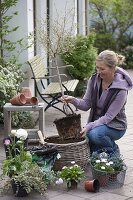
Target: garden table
8, 108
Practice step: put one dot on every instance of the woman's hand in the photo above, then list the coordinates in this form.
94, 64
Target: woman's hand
67, 99
83, 132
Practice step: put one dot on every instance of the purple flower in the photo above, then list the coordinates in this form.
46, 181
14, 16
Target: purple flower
7, 142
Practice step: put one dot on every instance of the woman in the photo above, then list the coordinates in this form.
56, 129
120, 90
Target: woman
106, 96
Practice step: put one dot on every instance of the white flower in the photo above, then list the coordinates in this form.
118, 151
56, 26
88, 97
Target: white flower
102, 167
13, 132
73, 162
71, 167
111, 162
59, 181
104, 160
76, 165
98, 161
108, 164
22, 134
64, 167
58, 156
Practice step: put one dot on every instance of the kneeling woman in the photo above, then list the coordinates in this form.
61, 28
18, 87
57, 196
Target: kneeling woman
106, 96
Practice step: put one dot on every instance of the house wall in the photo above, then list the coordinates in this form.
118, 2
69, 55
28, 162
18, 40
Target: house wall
27, 19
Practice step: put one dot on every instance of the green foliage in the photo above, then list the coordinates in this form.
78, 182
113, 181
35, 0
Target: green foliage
103, 167
107, 163
113, 22
71, 173
11, 75
23, 119
81, 54
10, 78
16, 155
31, 177
128, 53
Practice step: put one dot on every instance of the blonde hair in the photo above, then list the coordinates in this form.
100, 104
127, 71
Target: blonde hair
110, 58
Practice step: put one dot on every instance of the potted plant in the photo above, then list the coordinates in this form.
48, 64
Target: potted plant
106, 167
72, 175
24, 174
31, 177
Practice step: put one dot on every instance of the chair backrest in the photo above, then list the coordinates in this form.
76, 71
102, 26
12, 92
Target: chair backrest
37, 67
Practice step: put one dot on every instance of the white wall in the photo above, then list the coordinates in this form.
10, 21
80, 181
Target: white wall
26, 25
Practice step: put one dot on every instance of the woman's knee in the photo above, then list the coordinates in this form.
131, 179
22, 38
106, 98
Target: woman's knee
93, 136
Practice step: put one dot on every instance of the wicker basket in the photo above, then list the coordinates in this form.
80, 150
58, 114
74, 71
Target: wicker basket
75, 151
115, 180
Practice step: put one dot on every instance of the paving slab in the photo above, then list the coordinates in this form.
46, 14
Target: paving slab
60, 192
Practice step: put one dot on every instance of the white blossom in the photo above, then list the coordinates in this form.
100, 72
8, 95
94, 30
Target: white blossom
59, 181
104, 160
58, 156
76, 165
73, 162
102, 167
108, 164
13, 132
22, 134
111, 162
64, 167
98, 161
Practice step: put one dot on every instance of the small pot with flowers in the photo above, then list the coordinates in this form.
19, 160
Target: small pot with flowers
108, 169
72, 175
23, 174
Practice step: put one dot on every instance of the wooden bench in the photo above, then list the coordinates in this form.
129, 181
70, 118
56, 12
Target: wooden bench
52, 89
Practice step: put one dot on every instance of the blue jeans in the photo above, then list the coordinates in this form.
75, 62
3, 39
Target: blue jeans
103, 137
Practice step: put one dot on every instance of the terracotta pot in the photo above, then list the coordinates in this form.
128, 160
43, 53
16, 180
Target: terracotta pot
31, 100
26, 91
34, 101
92, 185
19, 99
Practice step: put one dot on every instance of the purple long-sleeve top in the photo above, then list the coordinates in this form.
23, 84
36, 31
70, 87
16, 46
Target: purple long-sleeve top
121, 81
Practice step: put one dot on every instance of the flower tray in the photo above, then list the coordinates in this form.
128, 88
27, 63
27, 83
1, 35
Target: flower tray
70, 150
113, 180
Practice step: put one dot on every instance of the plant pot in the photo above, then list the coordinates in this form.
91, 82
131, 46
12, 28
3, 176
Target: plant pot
31, 100
92, 185
34, 101
113, 177
103, 180
18, 189
19, 99
26, 91
69, 126
72, 185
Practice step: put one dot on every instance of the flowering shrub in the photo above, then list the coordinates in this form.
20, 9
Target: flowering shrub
19, 166
71, 173
15, 152
104, 162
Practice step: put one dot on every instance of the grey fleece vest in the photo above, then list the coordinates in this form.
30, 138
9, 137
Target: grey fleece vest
119, 122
